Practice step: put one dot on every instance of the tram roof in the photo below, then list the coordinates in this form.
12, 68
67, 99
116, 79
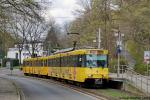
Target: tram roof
74, 52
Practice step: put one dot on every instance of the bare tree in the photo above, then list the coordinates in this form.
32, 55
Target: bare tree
18, 29
10, 9
21, 7
35, 32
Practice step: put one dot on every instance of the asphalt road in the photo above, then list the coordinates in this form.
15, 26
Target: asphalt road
40, 90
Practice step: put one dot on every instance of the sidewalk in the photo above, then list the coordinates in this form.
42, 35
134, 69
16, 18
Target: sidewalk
8, 90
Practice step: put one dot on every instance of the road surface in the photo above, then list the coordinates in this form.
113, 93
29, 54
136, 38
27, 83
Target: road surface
40, 90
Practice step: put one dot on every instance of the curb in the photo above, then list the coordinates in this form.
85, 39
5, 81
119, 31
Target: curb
18, 90
20, 93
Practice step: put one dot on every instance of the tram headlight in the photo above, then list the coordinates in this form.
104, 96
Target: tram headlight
90, 76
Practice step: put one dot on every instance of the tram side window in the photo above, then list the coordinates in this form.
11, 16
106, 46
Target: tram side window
56, 63
35, 63
38, 63
41, 63
69, 61
76, 61
80, 60
24, 64
83, 60
30, 63
65, 61
52, 62
48, 62
62, 62
45, 63
72, 61
68, 64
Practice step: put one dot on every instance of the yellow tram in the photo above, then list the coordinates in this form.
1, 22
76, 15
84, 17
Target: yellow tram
84, 65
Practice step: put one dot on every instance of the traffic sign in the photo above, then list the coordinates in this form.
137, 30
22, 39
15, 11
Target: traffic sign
147, 57
119, 49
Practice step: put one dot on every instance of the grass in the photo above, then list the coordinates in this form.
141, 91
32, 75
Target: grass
128, 92
114, 93
131, 89
16, 67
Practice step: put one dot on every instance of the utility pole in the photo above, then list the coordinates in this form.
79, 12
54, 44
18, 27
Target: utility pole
118, 70
119, 43
99, 38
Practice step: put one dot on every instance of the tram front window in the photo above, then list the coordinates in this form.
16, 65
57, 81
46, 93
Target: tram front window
93, 60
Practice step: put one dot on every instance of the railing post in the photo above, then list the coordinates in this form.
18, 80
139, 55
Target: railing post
136, 80
147, 86
141, 82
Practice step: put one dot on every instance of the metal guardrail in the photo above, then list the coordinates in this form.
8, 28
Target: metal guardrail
139, 81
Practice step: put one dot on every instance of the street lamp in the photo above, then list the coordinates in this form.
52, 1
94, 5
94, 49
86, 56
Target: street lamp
119, 36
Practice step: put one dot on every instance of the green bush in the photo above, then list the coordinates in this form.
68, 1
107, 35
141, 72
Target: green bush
15, 62
137, 51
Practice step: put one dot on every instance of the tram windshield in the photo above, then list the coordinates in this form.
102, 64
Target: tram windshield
93, 60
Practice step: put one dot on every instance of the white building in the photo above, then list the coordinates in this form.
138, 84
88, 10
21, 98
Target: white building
14, 52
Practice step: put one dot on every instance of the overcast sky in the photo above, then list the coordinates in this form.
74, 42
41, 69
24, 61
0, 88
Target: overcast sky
62, 10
